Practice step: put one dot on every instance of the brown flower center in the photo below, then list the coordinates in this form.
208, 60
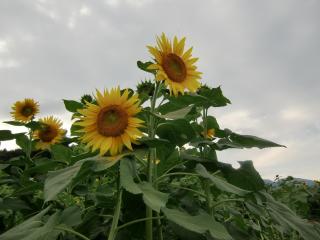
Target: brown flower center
112, 121
27, 111
48, 133
174, 67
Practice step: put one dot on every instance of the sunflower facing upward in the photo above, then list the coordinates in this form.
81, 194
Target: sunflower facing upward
50, 133
111, 124
175, 66
25, 110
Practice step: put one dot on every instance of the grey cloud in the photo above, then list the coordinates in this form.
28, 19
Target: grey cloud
265, 54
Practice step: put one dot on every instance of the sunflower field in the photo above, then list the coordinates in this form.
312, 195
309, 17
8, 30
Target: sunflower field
142, 164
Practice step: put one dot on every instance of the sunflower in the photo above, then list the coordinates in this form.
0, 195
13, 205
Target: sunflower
111, 123
50, 133
175, 66
25, 110
210, 133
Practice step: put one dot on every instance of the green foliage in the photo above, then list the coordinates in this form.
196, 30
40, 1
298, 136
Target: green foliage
171, 186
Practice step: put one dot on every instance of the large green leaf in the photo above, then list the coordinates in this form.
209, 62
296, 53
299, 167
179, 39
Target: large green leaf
177, 131
15, 123
127, 175
180, 102
214, 97
61, 153
245, 177
167, 163
201, 223
59, 180
6, 135
219, 183
23, 142
248, 141
163, 146
180, 113
24, 229
151, 197
72, 106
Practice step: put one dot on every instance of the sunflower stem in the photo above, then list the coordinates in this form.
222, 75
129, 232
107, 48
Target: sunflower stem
115, 220
151, 160
206, 183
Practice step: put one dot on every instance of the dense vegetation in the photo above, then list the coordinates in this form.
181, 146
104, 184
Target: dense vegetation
167, 185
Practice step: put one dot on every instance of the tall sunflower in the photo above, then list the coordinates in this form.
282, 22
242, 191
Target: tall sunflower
175, 66
25, 110
111, 124
50, 133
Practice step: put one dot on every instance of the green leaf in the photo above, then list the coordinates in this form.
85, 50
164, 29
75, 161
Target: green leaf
201, 223
215, 97
180, 102
6, 135
127, 175
248, 141
34, 125
181, 113
47, 231
212, 123
23, 142
13, 203
163, 147
57, 181
144, 66
219, 183
177, 131
287, 218
72, 106
71, 216
25, 228
152, 197
165, 164
245, 177
15, 123
61, 152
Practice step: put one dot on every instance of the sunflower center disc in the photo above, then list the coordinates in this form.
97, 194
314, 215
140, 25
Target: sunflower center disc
112, 121
27, 111
47, 134
174, 67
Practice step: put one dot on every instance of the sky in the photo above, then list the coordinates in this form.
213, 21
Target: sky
264, 54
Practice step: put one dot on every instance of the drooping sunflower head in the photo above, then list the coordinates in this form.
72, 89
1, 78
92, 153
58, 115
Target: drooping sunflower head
174, 65
50, 133
25, 110
111, 123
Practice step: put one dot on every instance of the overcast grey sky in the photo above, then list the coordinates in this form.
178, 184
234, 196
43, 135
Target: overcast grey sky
264, 54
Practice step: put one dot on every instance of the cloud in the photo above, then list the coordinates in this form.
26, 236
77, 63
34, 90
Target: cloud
265, 55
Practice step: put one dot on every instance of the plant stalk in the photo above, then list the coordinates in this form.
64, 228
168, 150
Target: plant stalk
151, 161
115, 220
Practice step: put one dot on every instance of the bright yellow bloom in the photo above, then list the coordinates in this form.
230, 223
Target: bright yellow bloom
50, 133
210, 133
25, 110
111, 124
175, 66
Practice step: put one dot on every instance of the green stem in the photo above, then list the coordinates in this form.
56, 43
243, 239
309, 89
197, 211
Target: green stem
115, 220
136, 221
174, 166
71, 231
151, 160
